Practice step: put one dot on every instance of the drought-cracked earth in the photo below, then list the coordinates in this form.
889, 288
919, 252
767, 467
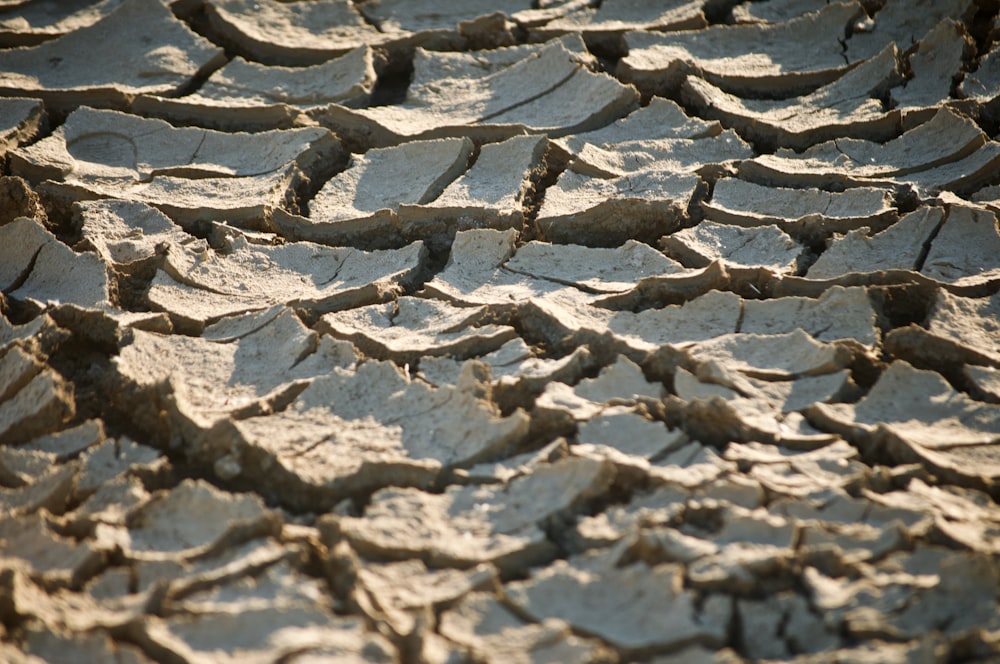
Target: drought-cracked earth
569, 331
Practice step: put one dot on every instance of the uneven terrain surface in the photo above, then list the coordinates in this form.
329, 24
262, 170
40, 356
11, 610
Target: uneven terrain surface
573, 331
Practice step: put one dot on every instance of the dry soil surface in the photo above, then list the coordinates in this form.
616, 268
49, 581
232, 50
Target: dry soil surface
532, 331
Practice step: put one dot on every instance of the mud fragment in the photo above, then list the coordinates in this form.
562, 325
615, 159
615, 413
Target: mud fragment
158, 55
491, 194
400, 591
623, 605
898, 247
350, 431
957, 327
647, 205
847, 107
490, 631
823, 318
547, 92
965, 249
766, 247
465, 526
363, 200
412, 328
246, 95
936, 64
612, 18
948, 152
198, 286
194, 520
807, 212
209, 380
903, 24
280, 33
743, 59
661, 119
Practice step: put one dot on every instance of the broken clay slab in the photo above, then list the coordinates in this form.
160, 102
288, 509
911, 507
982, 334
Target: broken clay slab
198, 286
806, 213
487, 628
139, 47
468, 525
898, 247
125, 233
965, 249
937, 61
265, 634
192, 520
401, 590
476, 272
198, 382
706, 316
410, 329
606, 212
623, 605
772, 356
658, 120
847, 107
766, 247
948, 152
514, 367
839, 313
98, 144
55, 561
360, 204
491, 194
193, 175
547, 92
743, 59
291, 33
707, 156
428, 23
775, 11
958, 331
40, 268
621, 384
352, 431
438, 74
604, 25
249, 96
917, 416
29, 24
22, 121
904, 24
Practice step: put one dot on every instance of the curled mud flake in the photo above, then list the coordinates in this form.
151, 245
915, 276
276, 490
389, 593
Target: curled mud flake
279, 33
360, 204
350, 431
646, 205
965, 250
125, 56
899, 247
250, 96
849, 106
488, 628
743, 59
546, 92
166, 528
410, 329
453, 529
623, 605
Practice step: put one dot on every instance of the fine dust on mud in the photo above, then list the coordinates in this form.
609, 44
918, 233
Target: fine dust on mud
569, 331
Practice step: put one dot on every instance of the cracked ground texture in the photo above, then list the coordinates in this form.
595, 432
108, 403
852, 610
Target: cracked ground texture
532, 331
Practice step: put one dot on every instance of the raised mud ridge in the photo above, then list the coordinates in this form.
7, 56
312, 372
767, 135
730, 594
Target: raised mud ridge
414, 331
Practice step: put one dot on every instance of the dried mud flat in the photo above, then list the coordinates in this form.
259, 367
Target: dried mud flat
416, 331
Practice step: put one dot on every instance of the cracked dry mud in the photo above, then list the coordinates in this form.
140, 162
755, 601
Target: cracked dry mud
532, 331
